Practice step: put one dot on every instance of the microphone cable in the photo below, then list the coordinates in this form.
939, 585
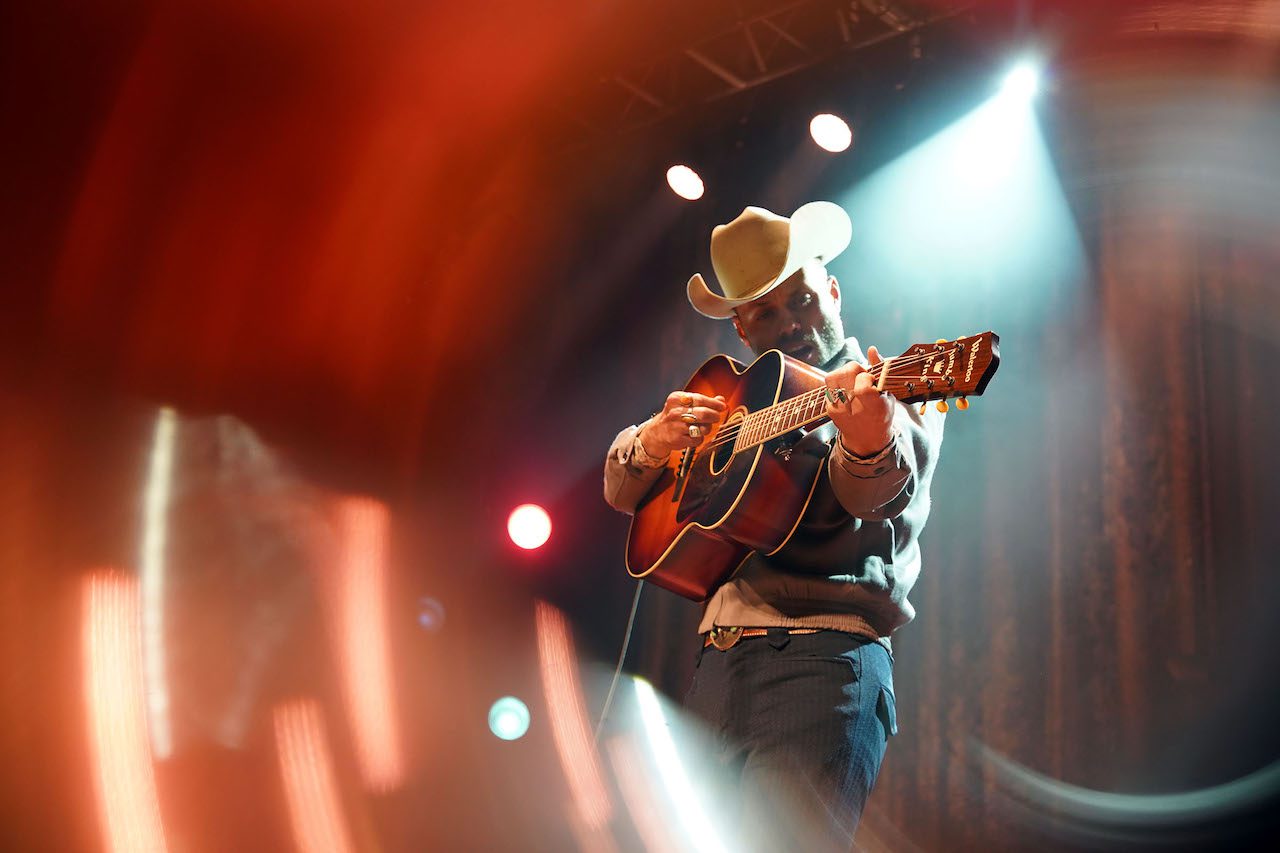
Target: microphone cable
622, 656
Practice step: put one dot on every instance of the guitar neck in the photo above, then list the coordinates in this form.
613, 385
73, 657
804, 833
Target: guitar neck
938, 371
781, 418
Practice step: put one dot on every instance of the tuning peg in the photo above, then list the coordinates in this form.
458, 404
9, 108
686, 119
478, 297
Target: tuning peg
924, 407
940, 341
962, 404
942, 406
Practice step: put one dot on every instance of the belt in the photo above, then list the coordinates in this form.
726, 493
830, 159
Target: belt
726, 638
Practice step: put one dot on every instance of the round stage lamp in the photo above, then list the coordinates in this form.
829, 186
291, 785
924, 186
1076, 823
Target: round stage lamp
529, 526
685, 182
1022, 82
830, 132
509, 718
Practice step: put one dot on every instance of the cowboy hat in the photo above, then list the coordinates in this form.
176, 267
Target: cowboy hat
759, 250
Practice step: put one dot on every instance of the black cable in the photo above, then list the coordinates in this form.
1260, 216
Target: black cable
622, 655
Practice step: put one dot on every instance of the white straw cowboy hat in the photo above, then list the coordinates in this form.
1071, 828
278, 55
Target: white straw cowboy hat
759, 250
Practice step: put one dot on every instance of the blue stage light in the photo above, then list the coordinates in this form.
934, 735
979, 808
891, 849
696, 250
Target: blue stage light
1022, 82
509, 718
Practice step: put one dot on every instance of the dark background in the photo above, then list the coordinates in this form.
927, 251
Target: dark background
372, 250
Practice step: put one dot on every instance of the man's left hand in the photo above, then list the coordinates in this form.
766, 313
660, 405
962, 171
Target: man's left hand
866, 419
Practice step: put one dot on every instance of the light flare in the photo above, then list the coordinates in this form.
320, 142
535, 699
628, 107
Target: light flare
357, 604
568, 712
675, 779
1022, 82
310, 784
152, 562
638, 795
123, 773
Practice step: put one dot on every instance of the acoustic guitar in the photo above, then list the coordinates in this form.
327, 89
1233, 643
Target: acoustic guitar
747, 485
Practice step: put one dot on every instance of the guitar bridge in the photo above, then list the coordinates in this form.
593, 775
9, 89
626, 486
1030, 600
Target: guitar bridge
682, 472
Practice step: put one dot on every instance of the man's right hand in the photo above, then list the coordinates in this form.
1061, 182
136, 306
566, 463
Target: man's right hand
669, 431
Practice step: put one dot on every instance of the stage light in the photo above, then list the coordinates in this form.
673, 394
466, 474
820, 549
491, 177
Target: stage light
509, 718
974, 215
830, 132
1022, 82
529, 526
685, 182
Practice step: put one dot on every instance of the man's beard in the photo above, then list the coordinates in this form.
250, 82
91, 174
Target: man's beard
823, 346
831, 339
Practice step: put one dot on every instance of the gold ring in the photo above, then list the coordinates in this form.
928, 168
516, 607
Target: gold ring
687, 401
689, 418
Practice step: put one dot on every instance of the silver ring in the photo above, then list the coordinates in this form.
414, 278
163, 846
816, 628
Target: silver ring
689, 418
694, 431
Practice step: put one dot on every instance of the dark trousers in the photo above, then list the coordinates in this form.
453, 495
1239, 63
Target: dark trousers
799, 724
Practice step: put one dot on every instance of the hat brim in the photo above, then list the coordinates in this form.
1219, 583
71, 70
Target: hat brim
819, 230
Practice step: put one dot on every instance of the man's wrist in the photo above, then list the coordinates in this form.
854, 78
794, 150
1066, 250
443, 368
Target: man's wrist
862, 457
643, 457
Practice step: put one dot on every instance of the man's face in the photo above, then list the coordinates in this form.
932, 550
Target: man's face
801, 317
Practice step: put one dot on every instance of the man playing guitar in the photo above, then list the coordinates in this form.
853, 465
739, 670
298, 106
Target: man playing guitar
795, 678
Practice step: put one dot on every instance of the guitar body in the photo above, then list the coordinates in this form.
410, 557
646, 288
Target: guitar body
690, 536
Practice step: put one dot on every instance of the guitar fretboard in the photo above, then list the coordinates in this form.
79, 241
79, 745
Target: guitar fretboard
781, 418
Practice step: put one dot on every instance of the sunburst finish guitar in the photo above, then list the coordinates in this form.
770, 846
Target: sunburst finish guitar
747, 485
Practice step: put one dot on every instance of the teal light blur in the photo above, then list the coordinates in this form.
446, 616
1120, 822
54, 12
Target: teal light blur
509, 718
1022, 81
972, 222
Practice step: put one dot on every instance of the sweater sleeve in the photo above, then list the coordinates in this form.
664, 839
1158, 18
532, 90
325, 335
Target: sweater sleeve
880, 487
625, 481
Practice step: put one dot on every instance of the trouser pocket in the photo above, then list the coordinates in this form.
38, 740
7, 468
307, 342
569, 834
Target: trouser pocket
887, 711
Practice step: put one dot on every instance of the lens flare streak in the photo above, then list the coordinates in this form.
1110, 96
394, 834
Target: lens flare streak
310, 785
675, 778
358, 604
637, 794
568, 712
152, 562
123, 774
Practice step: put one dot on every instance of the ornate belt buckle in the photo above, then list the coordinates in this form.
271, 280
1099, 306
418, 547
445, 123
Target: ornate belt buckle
725, 638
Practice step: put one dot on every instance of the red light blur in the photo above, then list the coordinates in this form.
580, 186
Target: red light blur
529, 526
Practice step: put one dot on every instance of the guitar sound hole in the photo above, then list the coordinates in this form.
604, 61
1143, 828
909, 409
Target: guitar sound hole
723, 453
721, 457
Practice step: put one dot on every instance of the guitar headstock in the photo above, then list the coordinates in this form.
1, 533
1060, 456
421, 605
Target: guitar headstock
944, 370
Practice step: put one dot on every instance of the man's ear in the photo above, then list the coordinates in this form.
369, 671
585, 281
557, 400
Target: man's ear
835, 289
742, 335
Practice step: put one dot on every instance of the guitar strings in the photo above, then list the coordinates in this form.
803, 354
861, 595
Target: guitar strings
816, 393
806, 400
809, 397
731, 432
893, 364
